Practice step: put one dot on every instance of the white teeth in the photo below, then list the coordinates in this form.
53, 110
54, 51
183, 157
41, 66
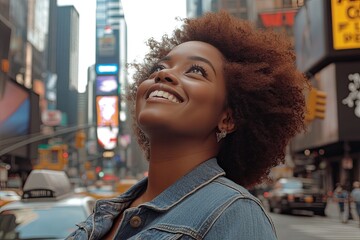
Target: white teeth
159, 94
163, 94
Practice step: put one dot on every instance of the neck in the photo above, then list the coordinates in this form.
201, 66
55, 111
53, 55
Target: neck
170, 160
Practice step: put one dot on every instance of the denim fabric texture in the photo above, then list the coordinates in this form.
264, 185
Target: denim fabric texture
203, 204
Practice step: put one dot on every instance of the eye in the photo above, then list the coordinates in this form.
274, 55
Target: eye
157, 68
197, 69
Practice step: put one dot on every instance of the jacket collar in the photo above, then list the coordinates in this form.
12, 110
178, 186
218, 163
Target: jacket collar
187, 185
109, 209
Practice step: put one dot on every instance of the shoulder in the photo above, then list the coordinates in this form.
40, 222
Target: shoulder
227, 187
242, 214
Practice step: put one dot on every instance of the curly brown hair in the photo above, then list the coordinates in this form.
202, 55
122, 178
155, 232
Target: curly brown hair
264, 91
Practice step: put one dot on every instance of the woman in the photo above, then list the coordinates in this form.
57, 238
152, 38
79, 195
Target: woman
215, 107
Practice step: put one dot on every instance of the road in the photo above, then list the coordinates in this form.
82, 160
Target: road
305, 226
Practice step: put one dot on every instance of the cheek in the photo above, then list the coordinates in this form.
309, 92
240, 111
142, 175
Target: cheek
213, 98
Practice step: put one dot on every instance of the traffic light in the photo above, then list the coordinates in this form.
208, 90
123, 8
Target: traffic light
315, 105
80, 139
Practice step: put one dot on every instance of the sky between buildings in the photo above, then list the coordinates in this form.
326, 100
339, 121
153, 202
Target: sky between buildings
144, 18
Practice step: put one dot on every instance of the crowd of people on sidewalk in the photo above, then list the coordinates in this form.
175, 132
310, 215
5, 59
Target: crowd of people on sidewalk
344, 199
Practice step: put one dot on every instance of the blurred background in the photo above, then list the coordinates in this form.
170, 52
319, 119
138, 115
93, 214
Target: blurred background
63, 75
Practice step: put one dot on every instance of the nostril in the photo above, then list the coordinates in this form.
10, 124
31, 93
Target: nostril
168, 79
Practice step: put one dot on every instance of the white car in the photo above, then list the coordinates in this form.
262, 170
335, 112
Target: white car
49, 209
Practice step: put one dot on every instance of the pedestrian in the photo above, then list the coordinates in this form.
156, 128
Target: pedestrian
341, 197
214, 107
355, 197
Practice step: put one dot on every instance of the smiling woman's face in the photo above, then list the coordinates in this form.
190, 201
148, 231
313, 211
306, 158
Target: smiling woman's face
185, 93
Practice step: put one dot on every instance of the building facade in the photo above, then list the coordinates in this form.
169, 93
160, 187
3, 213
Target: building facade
67, 60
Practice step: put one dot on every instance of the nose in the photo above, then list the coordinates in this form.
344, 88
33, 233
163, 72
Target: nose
165, 76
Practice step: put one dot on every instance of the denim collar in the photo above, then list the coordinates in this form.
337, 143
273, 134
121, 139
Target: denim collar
200, 176
186, 185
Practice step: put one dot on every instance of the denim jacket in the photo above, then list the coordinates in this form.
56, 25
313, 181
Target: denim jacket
203, 204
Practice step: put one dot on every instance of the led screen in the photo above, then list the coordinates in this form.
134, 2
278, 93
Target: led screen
14, 111
107, 137
106, 85
107, 111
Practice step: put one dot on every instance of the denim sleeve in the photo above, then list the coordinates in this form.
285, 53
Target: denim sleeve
82, 232
79, 234
243, 219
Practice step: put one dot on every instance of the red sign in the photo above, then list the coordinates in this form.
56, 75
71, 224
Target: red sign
51, 117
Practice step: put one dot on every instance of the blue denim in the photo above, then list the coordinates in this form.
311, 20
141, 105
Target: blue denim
201, 205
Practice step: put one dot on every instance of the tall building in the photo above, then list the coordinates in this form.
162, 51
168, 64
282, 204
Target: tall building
243, 9
23, 66
67, 57
109, 16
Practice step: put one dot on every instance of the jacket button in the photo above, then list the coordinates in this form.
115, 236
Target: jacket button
135, 221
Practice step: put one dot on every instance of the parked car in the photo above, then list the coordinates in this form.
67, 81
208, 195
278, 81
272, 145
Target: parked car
290, 194
49, 209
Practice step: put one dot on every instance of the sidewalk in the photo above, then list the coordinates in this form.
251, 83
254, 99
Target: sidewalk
332, 211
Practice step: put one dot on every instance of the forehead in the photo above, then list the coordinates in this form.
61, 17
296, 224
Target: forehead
200, 49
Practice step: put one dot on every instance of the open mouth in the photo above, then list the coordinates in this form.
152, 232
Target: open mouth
165, 95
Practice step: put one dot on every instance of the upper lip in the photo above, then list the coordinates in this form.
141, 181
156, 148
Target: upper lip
165, 88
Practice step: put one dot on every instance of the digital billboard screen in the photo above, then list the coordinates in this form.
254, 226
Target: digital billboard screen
107, 111
107, 85
14, 111
107, 137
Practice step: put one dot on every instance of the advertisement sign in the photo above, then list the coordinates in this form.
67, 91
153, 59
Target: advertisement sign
310, 35
107, 85
51, 117
14, 111
348, 105
107, 137
345, 24
107, 111
107, 46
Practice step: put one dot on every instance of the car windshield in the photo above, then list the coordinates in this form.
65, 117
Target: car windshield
40, 223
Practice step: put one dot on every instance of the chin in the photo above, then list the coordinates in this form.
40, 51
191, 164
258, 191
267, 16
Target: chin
150, 122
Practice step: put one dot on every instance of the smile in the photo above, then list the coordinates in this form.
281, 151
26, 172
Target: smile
165, 95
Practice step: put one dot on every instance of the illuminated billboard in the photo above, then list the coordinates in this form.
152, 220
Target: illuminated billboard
107, 69
107, 137
14, 111
107, 111
107, 85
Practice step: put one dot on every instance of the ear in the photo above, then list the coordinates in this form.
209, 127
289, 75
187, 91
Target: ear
226, 121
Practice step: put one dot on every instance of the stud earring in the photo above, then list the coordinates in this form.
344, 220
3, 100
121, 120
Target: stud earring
220, 135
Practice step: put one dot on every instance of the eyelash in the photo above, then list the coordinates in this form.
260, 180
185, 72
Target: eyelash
156, 67
197, 67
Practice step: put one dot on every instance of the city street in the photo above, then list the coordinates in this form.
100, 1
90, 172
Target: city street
307, 227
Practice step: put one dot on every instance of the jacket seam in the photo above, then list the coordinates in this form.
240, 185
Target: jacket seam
206, 226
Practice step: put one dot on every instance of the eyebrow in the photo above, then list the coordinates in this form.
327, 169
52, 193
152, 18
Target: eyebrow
196, 58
